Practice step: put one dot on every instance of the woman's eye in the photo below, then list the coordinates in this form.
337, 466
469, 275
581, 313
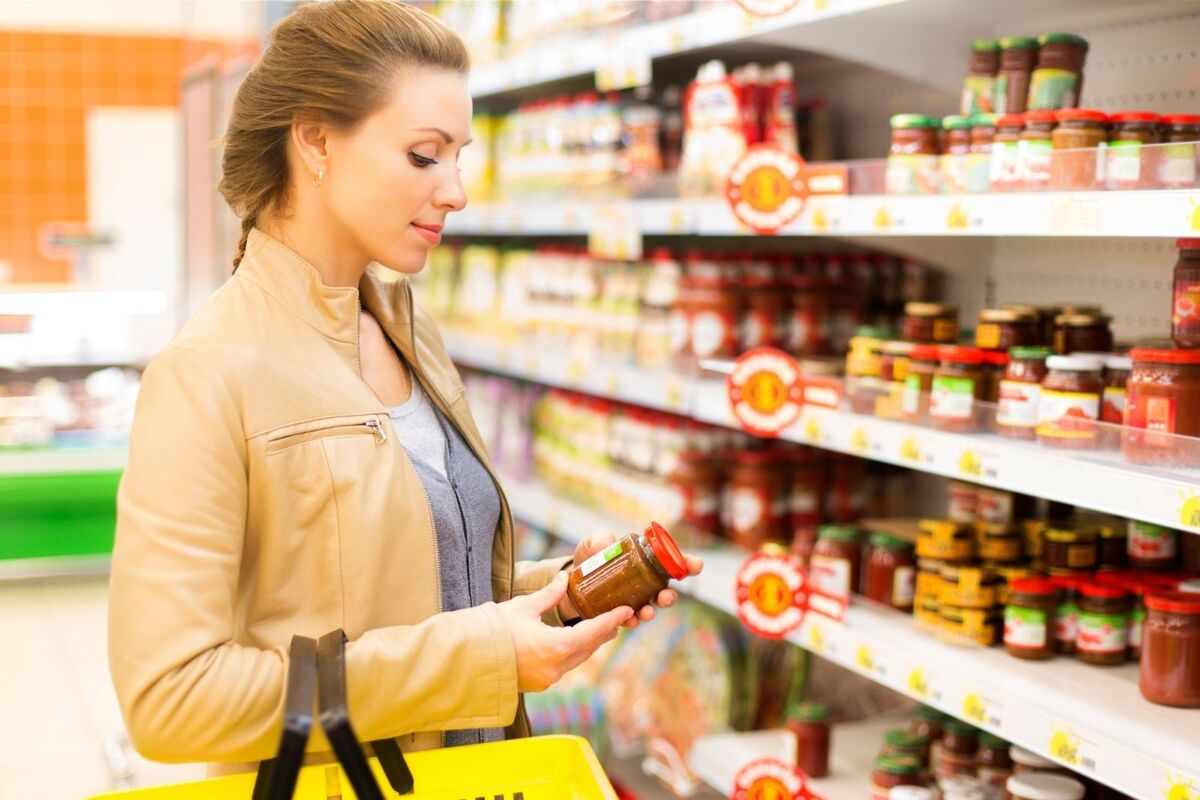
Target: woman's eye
420, 161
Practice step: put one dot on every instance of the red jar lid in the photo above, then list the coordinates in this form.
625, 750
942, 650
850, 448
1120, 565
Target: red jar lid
667, 551
1165, 356
1081, 115
1032, 586
1136, 116
926, 352
1011, 121
1175, 602
1188, 244
996, 358
755, 457
960, 355
1068, 582
1102, 592
1181, 119
1038, 117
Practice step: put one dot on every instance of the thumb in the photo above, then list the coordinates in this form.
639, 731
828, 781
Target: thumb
549, 595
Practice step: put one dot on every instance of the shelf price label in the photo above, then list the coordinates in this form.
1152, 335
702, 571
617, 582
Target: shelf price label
1189, 510
982, 710
1068, 747
920, 686
767, 8
771, 779
625, 69
1180, 787
614, 234
910, 450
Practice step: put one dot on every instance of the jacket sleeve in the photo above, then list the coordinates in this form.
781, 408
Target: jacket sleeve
187, 691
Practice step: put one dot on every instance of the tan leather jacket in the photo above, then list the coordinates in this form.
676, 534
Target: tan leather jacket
266, 495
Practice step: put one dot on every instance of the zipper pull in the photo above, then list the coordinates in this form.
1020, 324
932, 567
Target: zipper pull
380, 432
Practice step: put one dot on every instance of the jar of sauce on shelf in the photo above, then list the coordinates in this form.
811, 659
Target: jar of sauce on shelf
836, 563
630, 572
892, 771
919, 382
1116, 374
968, 586
765, 319
945, 540
979, 158
957, 386
1170, 665
956, 149
1029, 619
1033, 170
1103, 625
993, 763
1018, 55
1026, 762
1162, 399
1057, 80
928, 722
757, 499
1070, 402
977, 94
930, 323
894, 358
1152, 548
713, 323
1138, 590
912, 163
810, 723
1113, 547
1130, 164
1185, 300
955, 754
1076, 160
903, 742
1000, 545
1066, 617
1040, 786
697, 479
891, 572
1002, 329
1067, 551
995, 364
1177, 165
808, 321
1006, 153
1087, 332
1021, 391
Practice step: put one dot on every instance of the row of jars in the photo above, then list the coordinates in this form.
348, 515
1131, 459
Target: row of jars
1072, 149
1019, 72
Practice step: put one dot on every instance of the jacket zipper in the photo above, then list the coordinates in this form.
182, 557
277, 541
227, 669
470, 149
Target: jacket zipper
373, 425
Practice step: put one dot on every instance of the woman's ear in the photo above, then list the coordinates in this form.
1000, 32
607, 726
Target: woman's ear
310, 140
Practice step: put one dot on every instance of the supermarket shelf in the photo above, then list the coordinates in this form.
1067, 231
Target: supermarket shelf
50, 462
1046, 707
1163, 213
26, 569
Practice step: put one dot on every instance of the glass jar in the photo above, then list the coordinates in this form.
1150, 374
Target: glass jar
957, 385
716, 308
1170, 664
1018, 55
1066, 615
1039, 786
979, 159
995, 364
1029, 619
1103, 625
1070, 402
1151, 547
1162, 404
1006, 153
894, 359
1008, 573
1086, 332
1000, 545
928, 722
1116, 374
930, 323
892, 771
945, 540
912, 164
1057, 80
1138, 590
1130, 164
1185, 299
955, 152
1177, 165
697, 480
1020, 392
1033, 170
1003, 329
994, 766
903, 742
1113, 547
835, 566
891, 572
919, 382
810, 723
1076, 157
955, 754
968, 587
765, 321
1026, 762
758, 499
630, 572
977, 94
1068, 551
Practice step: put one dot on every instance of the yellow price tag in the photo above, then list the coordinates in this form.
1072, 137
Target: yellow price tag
864, 658
1064, 745
859, 441
816, 639
975, 708
1180, 787
576, 370
612, 384
910, 450
918, 684
970, 464
675, 396
812, 430
1189, 510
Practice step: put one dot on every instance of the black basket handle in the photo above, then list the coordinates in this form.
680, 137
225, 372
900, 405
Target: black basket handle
276, 778
335, 721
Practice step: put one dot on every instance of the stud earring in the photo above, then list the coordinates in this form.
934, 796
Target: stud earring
319, 179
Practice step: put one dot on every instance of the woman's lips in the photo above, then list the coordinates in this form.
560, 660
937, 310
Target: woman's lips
431, 233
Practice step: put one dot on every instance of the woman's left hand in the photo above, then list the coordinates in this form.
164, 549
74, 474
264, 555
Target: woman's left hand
594, 544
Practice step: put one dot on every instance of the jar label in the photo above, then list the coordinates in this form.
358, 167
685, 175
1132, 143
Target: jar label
1185, 307
759, 330
1034, 160
1005, 160
912, 173
1000, 548
1018, 407
903, 586
1066, 623
951, 398
911, 402
1081, 556
1178, 166
1151, 542
1052, 88
1025, 627
987, 335
1137, 618
748, 508
955, 173
1102, 633
1113, 409
1156, 415
979, 169
600, 559
678, 331
977, 94
712, 334
1125, 160
945, 330
1000, 93
1067, 415
830, 575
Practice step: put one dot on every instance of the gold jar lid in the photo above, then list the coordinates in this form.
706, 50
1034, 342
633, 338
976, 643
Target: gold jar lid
920, 309
1081, 320
1023, 309
1006, 315
1069, 536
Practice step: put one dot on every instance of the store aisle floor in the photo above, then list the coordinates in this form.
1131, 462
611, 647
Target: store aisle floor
60, 717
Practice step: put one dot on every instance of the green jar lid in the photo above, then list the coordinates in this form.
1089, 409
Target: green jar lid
983, 120
985, 46
874, 332
914, 121
953, 725
1018, 42
1062, 38
899, 764
930, 714
839, 533
956, 122
905, 740
809, 712
886, 540
993, 742
1030, 352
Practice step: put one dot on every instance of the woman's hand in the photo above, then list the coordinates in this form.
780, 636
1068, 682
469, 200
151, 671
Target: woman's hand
602, 539
544, 653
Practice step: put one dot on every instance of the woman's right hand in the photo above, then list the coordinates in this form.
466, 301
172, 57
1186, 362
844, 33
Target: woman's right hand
545, 653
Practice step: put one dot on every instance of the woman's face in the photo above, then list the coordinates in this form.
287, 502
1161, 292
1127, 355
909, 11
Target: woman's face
392, 181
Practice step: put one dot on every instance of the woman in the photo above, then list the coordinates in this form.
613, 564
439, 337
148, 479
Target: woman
303, 457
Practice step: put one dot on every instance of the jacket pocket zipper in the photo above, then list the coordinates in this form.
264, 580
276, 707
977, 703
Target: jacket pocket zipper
372, 426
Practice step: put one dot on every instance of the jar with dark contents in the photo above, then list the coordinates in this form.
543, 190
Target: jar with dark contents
757, 499
912, 163
630, 572
955, 152
810, 724
891, 572
1177, 163
1057, 80
977, 93
1170, 664
1151, 547
1088, 333
1113, 547
903, 742
993, 763
1070, 403
919, 382
697, 479
1185, 299
1000, 545
835, 566
1066, 551
1162, 412
713, 325
956, 388
1033, 171
1003, 329
1116, 374
1076, 160
893, 771
979, 157
1020, 392
1006, 153
995, 364
1066, 619
1103, 625
945, 540
1138, 590
1130, 159
956, 752
928, 722
1029, 619
1018, 55
930, 323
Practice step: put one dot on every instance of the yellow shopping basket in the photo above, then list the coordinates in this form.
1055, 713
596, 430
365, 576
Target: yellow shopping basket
543, 768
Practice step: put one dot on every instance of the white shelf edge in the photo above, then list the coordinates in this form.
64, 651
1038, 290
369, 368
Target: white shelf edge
62, 461
1128, 743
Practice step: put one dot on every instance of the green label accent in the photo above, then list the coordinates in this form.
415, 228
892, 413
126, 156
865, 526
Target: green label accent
1052, 88
600, 559
978, 94
1024, 627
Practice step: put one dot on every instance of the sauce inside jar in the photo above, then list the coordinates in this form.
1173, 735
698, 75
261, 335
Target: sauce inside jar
1021, 391
891, 572
836, 561
1018, 55
919, 382
1162, 398
1006, 153
1177, 167
1082, 332
1029, 619
1057, 80
954, 160
1103, 625
1002, 329
630, 572
930, 323
1070, 402
1076, 160
810, 723
1170, 664
1151, 547
912, 164
957, 386
1033, 169
1116, 374
1185, 300
1130, 162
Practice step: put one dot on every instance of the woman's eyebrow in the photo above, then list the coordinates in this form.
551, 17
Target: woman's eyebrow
449, 139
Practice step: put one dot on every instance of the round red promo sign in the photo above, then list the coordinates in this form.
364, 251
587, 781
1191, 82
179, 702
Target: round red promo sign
769, 779
766, 188
767, 8
772, 594
765, 391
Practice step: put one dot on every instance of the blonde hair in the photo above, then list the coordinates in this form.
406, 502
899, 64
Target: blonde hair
333, 62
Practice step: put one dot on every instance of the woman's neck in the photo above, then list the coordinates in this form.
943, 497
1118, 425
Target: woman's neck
336, 259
